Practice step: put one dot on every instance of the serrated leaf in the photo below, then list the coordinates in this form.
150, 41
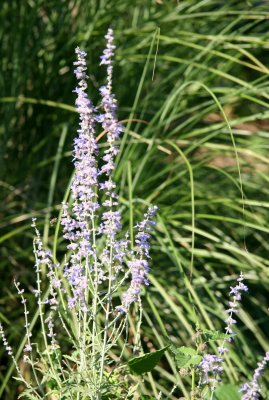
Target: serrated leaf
227, 392
186, 350
146, 363
182, 360
212, 335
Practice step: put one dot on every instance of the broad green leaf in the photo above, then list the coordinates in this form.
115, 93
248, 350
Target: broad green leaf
146, 363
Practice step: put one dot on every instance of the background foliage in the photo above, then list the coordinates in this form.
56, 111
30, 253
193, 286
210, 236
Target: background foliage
195, 72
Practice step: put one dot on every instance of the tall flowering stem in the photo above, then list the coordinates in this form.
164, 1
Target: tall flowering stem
11, 354
111, 219
252, 389
211, 365
236, 296
43, 257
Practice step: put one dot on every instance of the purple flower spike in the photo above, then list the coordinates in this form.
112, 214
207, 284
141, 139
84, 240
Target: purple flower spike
139, 267
236, 293
111, 219
252, 389
109, 50
210, 365
77, 229
108, 119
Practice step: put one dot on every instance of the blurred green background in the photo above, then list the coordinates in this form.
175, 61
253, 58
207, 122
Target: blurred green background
196, 74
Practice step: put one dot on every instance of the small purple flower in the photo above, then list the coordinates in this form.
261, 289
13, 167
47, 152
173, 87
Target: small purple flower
27, 348
222, 350
252, 389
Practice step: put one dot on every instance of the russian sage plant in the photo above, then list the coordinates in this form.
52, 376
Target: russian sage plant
82, 319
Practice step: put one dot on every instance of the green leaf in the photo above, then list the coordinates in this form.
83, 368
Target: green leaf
187, 357
185, 361
146, 363
182, 360
186, 350
227, 392
212, 335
